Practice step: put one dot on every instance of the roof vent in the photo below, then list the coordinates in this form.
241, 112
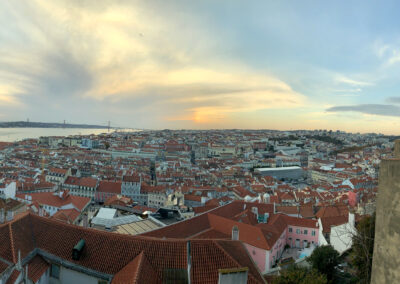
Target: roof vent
235, 233
78, 249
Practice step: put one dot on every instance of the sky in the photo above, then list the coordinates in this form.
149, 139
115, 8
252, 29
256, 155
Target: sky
158, 64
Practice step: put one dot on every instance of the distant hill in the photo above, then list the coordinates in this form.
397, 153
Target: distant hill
25, 124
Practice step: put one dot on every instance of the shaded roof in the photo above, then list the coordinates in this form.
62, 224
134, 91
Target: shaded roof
134, 178
109, 186
84, 181
328, 222
67, 215
36, 268
109, 253
139, 270
10, 204
53, 199
218, 223
58, 171
331, 211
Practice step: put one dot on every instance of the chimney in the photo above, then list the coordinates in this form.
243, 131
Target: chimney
235, 233
397, 148
78, 249
19, 264
85, 220
26, 274
189, 261
255, 211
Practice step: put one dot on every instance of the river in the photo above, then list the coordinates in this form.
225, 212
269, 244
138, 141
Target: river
16, 134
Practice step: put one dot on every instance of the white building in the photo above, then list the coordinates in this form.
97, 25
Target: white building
337, 231
8, 191
131, 187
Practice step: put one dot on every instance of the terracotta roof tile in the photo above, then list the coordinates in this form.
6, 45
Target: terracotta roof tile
36, 268
67, 215
109, 186
139, 270
3, 266
110, 252
328, 222
13, 277
52, 199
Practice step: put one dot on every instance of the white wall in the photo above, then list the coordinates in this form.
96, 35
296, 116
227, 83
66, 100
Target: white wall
341, 236
9, 191
68, 276
45, 278
321, 238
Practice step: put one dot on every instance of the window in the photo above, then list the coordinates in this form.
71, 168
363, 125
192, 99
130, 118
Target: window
313, 233
305, 232
290, 230
297, 231
55, 271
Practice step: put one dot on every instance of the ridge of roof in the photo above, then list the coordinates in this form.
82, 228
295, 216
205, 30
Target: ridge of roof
10, 231
226, 254
104, 248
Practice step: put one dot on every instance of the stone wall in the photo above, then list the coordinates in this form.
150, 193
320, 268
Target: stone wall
386, 260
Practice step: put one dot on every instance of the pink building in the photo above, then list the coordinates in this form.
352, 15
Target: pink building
107, 189
263, 233
352, 196
292, 231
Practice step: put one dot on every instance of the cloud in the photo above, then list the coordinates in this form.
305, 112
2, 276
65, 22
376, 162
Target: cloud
355, 90
352, 82
374, 109
393, 100
349, 95
389, 53
125, 59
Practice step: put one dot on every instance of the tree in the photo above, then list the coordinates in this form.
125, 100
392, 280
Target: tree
300, 275
324, 259
363, 247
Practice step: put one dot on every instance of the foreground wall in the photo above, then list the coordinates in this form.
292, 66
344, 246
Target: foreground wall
386, 261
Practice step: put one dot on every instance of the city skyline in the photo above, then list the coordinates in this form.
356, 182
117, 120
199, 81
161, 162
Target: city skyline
201, 65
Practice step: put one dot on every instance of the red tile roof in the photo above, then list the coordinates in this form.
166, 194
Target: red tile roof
110, 253
52, 199
192, 197
58, 171
330, 211
135, 178
218, 223
118, 200
13, 277
85, 181
36, 268
67, 215
139, 270
110, 186
3, 266
328, 222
